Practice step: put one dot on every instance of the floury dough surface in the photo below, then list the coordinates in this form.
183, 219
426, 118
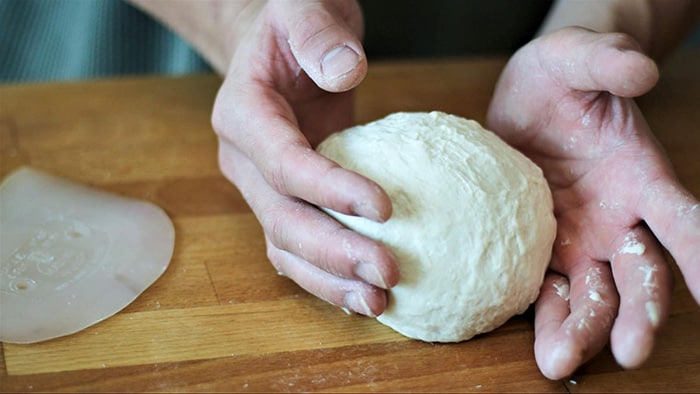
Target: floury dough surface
472, 222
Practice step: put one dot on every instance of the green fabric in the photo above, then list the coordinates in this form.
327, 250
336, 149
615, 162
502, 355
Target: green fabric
75, 39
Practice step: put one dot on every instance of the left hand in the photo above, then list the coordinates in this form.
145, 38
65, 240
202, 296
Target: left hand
565, 100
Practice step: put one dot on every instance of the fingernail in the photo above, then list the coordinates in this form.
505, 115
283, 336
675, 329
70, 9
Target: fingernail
355, 301
563, 360
339, 61
370, 274
366, 210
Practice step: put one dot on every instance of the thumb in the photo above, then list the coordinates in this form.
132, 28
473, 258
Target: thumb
324, 37
589, 61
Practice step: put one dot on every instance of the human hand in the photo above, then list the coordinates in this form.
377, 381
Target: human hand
565, 100
287, 88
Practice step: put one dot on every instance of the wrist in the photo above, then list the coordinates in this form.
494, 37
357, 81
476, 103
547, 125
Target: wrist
658, 26
213, 27
632, 17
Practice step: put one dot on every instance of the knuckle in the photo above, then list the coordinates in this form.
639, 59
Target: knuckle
217, 121
274, 170
275, 224
220, 115
274, 257
278, 173
339, 261
308, 31
225, 163
276, 176
621, 40
228, 165
281, 223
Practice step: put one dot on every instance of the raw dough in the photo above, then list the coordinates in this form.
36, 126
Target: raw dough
472, 222
71, 256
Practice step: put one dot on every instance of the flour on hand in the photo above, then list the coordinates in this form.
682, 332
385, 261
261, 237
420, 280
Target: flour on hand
472, 224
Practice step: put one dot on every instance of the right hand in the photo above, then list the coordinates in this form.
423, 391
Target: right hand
287, 88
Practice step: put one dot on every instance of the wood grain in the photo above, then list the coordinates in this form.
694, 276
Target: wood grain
220, 318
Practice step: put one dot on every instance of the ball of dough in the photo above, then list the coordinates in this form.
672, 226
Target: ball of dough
472, 224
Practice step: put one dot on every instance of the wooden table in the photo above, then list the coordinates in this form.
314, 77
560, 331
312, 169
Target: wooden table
220, 319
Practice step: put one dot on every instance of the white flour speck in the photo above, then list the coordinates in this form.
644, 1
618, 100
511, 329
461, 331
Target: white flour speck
586, 120
653, 312
594, 295
583, 323
609, 205
565, 242
649, 277
562, 290
593, 279
630, 245
349, 252
684, 209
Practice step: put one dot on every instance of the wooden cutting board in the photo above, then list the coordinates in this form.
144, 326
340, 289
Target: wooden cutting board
220, 318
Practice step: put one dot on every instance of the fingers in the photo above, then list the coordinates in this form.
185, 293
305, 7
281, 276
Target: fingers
325, 40
673, 215
644, 282
307, 232
299, 232
265, 130
258, 113
554, 358
587, 61
573, 319
349, 294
